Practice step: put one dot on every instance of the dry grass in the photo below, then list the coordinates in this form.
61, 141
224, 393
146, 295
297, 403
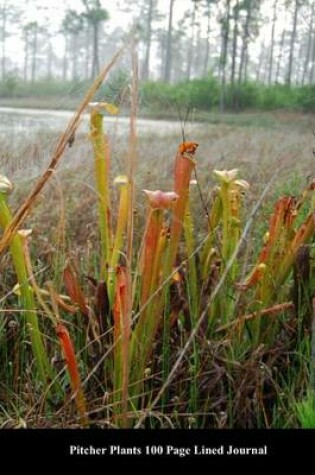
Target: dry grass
256, 151
67, 206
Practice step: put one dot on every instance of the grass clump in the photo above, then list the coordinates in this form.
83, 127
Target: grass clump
305, 411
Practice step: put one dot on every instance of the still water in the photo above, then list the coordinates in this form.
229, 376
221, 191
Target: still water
28, 138
30, 122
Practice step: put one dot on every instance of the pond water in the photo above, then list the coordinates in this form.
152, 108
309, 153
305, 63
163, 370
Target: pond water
28, 138
31, 121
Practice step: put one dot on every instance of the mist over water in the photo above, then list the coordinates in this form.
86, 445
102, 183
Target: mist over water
29, 122
28, 138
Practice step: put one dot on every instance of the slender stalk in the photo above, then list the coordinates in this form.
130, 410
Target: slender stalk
27, 299
101, 158
192, 270
122, 332
272, 311
226, 217
193, 306
166, 352
209, 251
120, 230
131, 167
312, 363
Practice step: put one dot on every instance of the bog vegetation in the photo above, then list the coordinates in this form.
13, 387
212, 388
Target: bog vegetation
162, 99
172, 318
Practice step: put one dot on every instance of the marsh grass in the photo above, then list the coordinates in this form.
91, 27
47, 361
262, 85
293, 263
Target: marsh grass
185, 372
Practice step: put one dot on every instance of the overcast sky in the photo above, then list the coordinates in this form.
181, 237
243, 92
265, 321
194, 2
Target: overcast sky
57, 8
54, 10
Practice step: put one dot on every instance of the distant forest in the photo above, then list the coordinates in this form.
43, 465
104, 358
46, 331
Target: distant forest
232, 43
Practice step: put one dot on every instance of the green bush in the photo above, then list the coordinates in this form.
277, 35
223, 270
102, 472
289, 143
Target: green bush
306, 97
9, 86
201, 94
204, 94
276, 97
241, 96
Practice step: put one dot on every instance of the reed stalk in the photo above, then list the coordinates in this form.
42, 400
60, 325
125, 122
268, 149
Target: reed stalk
27, 299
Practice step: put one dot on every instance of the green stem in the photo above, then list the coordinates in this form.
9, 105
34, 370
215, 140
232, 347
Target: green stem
226, 217
101, 158
149, 319
166, 344
27, 299
118, 242
193, 305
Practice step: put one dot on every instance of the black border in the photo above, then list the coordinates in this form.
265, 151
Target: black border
52, 447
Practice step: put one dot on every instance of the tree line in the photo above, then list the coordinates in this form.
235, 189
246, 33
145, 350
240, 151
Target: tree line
235, 41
